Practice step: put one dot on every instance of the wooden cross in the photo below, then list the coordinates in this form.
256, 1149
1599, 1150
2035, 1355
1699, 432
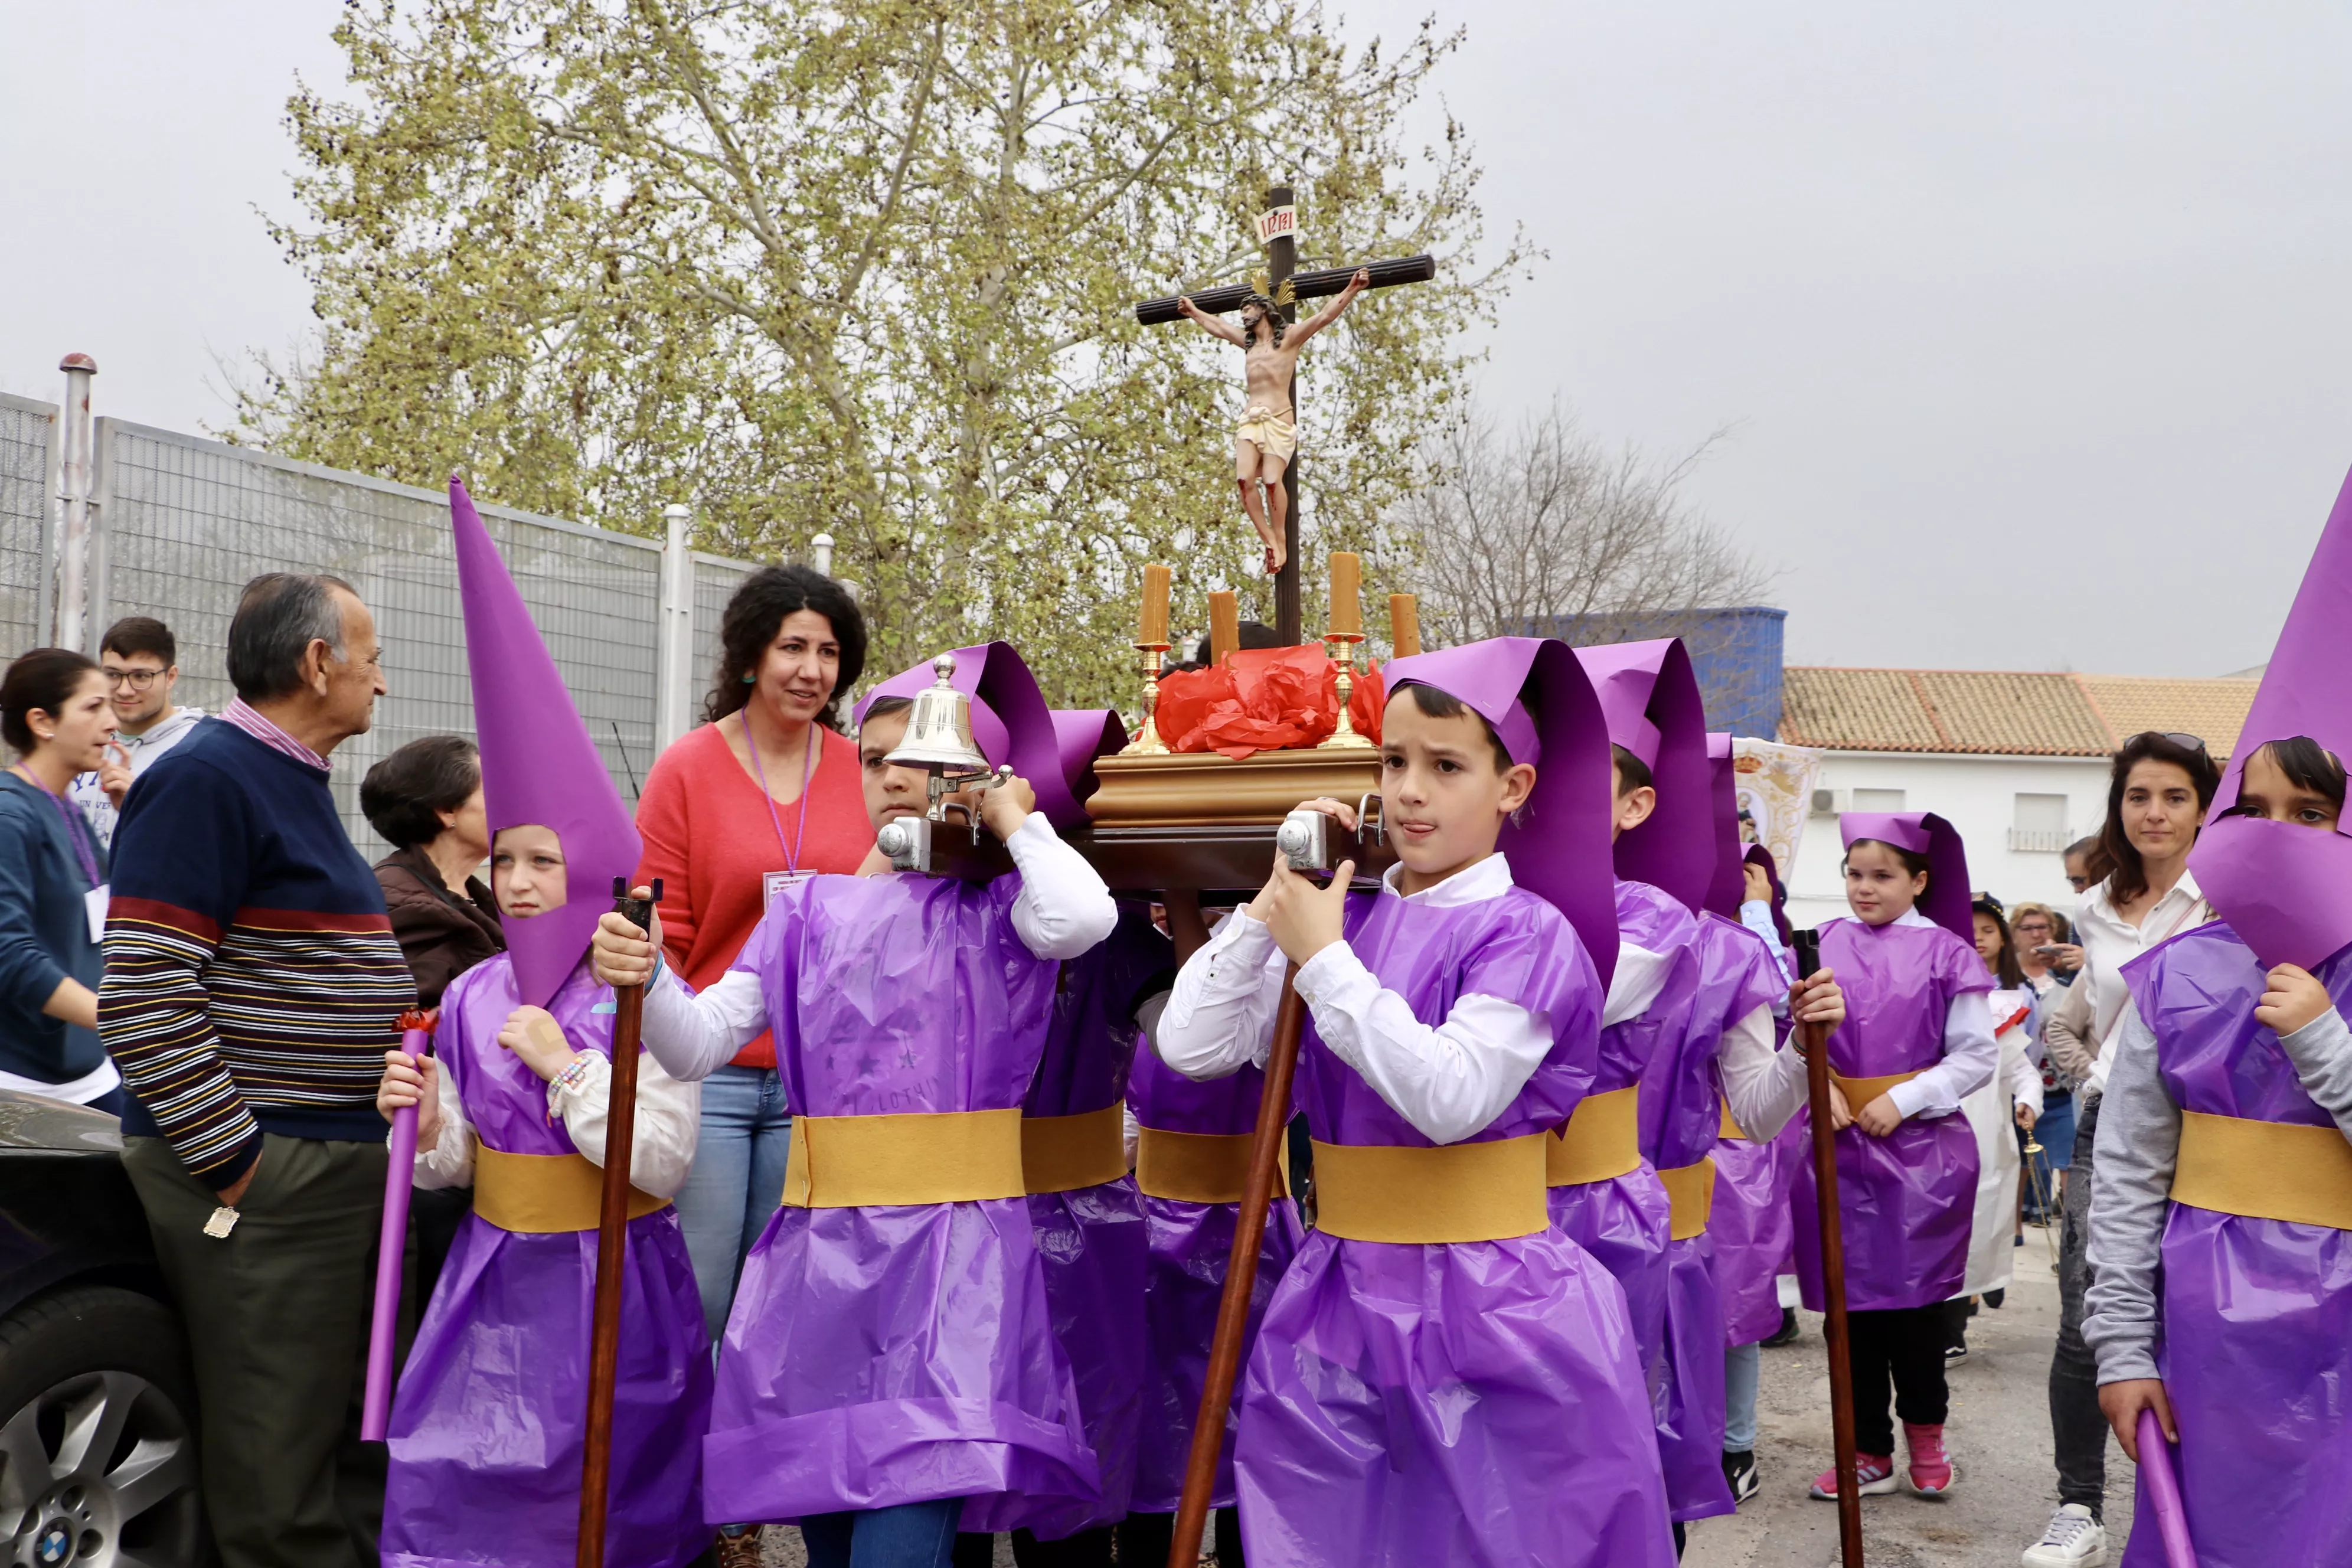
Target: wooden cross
1277, 230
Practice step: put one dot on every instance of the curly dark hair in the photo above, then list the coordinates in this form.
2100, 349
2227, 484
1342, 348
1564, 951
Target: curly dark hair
757, 613
1272, 314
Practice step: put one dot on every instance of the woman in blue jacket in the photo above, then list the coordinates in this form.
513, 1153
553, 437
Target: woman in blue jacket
55, 716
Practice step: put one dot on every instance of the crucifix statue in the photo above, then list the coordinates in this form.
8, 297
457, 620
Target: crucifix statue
1274, 297
1267, 436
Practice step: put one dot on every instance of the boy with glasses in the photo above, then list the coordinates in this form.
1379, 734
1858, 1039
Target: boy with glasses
139, 660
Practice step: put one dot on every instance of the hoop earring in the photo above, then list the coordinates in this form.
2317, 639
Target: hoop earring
747, 680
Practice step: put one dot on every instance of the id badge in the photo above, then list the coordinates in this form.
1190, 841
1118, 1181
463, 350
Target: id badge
93, 905
772, 884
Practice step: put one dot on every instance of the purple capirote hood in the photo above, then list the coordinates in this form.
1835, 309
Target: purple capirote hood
1948, 902
2286, 890
1651, 702
1010, 720
1533, 693
538, 766
1082, 734
1728, 889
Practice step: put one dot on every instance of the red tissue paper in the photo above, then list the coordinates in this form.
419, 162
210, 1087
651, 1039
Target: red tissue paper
1263, 699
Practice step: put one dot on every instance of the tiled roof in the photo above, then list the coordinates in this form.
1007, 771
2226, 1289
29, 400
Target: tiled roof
2002, 712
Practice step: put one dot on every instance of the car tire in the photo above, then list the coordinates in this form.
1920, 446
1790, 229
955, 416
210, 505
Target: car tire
82, 1367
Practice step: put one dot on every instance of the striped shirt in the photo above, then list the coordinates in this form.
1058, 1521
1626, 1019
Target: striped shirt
252, 979
267, 732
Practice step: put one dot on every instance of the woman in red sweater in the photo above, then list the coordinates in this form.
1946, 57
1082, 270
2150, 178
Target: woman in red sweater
765, 791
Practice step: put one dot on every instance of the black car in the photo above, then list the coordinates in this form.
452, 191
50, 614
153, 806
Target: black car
98, 1427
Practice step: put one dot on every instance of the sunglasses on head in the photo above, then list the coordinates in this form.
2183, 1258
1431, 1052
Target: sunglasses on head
2185, 743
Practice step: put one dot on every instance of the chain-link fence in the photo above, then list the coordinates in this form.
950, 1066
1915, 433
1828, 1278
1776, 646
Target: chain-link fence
182, 524
29, 456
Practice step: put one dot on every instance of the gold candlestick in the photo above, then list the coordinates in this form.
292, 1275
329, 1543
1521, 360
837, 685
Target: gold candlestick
1345, 738
1147, 742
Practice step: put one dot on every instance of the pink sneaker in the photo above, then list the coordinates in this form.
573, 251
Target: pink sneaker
1875, 1471
1931, 1467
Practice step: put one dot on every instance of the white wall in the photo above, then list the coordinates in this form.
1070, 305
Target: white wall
1975, 794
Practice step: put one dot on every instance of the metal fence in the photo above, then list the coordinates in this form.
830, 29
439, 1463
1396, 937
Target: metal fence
182, 524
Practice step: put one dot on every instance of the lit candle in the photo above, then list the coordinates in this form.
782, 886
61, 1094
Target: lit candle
1224, 626
1404, 626
1153, 633
1347, 587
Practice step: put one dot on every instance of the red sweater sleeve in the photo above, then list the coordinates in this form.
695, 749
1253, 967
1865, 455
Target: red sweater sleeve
665, 824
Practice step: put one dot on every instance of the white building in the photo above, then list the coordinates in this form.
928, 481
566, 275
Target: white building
2017, 762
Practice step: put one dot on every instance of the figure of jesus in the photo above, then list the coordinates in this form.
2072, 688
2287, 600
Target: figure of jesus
1268, 432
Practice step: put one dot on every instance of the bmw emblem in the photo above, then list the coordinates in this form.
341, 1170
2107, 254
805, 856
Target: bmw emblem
54, 1545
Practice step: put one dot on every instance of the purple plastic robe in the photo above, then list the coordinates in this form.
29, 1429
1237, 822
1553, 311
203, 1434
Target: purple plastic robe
901, 1353
1905, 1202
2256, 1313
1623, 1222
1092, 1243
1682, 1121
487, 1425
1473, 1403
1190, 1246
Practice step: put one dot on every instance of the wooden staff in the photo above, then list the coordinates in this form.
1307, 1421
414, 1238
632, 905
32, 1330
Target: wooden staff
612, 1243
1241, 1281
1816, 1041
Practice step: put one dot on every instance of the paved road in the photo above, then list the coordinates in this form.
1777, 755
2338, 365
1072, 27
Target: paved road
2000, 1436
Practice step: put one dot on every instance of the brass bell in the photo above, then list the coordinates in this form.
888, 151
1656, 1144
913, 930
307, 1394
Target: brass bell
939, 730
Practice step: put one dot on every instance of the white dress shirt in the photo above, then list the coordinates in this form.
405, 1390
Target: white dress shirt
669, 1115
1448, 1081
2109, 941
1062, 911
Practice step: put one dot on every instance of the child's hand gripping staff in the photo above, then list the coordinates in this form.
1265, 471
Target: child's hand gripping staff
1828, 1109
1304, 919
408, 1083
612, 1239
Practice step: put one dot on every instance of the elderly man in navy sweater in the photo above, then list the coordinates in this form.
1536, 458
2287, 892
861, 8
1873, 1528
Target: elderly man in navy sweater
252, 983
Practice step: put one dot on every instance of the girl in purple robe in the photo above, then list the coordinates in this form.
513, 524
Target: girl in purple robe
1442, 1376
2221, 1229
891, 1352
1192, 1143
1917, 1040
487, 1429
485, 1434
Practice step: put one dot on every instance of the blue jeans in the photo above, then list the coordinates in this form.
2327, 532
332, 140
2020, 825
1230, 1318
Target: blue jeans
1741, 1365
737, 1180
911, 1535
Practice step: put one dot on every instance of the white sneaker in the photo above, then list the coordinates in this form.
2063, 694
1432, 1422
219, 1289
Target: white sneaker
2074, 1539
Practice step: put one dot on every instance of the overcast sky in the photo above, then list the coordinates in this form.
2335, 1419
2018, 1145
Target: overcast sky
2033, 321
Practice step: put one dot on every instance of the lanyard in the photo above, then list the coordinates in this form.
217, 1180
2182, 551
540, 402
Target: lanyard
74, 833
808, 770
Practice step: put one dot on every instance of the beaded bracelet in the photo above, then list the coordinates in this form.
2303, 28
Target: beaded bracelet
574, 1073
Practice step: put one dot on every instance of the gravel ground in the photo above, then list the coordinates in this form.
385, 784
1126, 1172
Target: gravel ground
1999, 1435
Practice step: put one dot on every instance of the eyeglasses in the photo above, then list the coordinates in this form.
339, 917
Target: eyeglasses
138, 680
2027, 928
2185, 743
2077, 883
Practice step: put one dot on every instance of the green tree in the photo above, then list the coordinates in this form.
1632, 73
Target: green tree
866, 266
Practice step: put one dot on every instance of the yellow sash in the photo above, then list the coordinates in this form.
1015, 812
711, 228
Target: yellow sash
543, 1195
2264, 1170
1602, 1140
1461, 1192
1861, 1091
1729, 1127
1064, 1153
943, 1157
1691, 1190
1199, 1167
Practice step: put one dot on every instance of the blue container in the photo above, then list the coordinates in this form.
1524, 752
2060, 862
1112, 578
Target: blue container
1736, 654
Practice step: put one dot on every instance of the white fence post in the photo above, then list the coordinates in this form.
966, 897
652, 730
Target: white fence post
73, 502
674, 659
